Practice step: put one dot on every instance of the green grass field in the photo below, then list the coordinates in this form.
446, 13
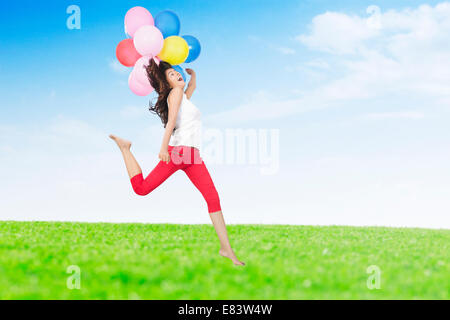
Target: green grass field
171, 261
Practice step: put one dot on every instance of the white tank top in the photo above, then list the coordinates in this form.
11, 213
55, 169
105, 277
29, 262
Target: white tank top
188, 125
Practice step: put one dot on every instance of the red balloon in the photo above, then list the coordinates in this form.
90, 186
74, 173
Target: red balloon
126, 53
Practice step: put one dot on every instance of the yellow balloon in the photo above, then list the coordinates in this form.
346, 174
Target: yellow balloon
175, 50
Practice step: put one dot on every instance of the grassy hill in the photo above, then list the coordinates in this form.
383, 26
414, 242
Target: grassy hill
172, 261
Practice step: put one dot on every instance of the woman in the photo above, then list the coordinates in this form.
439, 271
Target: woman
180, 145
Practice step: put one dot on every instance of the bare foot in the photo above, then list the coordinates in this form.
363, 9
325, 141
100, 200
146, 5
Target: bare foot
231, 256
122, 143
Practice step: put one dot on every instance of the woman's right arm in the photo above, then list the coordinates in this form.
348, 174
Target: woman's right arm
174, 100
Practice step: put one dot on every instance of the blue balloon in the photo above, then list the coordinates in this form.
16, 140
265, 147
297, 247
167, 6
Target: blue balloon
180, 70
194, 48
168, 23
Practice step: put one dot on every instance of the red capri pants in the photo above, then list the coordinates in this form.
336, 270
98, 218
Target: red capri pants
187, 159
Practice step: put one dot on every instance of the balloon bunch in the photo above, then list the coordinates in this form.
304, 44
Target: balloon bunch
156, 39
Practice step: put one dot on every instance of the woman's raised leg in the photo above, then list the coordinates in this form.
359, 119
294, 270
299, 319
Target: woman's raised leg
157, 176
132, 165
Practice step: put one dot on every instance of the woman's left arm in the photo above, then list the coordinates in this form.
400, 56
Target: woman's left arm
192, 83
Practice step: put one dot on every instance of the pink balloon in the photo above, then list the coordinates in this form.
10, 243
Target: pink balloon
138, 88
140, 73
148, 40
137, 17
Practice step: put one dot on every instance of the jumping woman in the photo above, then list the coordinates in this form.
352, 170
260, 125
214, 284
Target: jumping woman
180, 145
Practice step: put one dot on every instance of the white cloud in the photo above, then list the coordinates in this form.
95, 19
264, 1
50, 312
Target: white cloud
285, 50
395, 115
115, 66
133, 112
260, 105
393, 32
393, 57
74, 172
337, 33
318, 63
407, 53
281, 49
61, 135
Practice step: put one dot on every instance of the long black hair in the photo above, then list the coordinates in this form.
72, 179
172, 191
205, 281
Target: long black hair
157, 76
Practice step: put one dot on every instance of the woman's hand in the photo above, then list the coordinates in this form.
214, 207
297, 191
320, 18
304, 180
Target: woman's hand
190, 72
164, 155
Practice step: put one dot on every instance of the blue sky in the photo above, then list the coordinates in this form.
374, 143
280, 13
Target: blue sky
41, 54
362, 111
